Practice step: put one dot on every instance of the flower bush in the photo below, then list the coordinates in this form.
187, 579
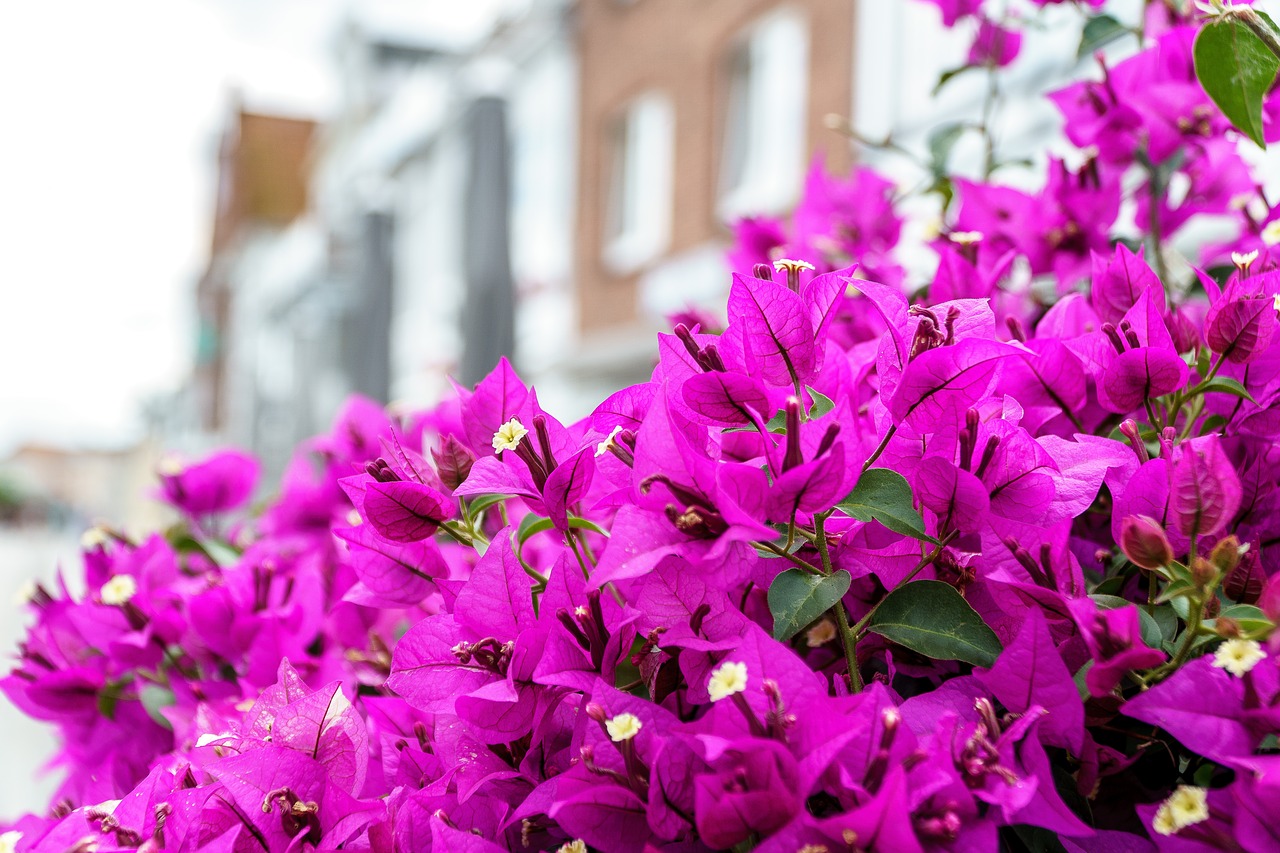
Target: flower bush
988, 563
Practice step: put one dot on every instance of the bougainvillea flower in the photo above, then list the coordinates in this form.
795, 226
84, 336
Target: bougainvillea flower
222, 481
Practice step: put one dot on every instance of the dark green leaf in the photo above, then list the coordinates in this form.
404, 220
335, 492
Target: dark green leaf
947, 76
885, 496
1034, 839
1226, 385
931, 618
1236, 69
1213, 423
797, 598
1099, 32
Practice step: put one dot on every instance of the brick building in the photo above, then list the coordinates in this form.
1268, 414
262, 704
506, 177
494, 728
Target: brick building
693, 112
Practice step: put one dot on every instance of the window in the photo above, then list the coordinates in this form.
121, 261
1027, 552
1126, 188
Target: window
766, 116
641, 150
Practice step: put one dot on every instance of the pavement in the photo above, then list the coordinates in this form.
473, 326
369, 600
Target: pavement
26, 555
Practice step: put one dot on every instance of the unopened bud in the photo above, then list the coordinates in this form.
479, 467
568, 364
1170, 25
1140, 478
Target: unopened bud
1204, 572
453, 461
1144, 542
596, 712
1227, 627
1226, 554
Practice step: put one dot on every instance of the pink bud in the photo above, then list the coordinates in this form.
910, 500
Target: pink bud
1144, 542
453, 461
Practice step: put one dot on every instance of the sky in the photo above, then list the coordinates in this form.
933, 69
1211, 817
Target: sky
111, 116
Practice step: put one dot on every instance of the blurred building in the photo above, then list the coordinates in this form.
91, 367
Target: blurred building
549, 188
241, 351
67, 489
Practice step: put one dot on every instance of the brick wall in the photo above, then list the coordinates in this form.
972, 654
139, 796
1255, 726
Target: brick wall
680, 47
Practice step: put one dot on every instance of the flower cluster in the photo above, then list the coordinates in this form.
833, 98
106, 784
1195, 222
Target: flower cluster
989, 563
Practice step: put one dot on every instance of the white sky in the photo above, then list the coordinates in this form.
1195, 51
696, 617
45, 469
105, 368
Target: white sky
109, 119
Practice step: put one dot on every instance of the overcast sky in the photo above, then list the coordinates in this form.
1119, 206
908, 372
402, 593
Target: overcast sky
111, 113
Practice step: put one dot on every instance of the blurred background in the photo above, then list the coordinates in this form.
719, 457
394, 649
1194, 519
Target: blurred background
218, 218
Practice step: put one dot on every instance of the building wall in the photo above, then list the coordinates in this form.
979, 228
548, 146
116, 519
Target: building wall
681, 48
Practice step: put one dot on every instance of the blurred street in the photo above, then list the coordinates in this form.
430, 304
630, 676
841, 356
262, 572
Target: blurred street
26, 555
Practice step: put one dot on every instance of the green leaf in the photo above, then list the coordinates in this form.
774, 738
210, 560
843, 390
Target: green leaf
1226, 385
1080, 678
1236, 69
797, 598
484, 502
585, 524
1252, 621
531, 525
931, 618
1099, 32
221, 553
156, 697
941, 141
109, 697
778, 423
821, 404
885, 496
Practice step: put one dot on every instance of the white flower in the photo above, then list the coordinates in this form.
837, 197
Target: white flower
789, 265
508, 436
119, 589
577, 845
94, 537
729, 678
1238, 656
1244, 261
171, 465
1186, 806
1163, 821
603, 447
623, 727
24, 594
9, 841
966, 238
1271, 233
1213, 7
